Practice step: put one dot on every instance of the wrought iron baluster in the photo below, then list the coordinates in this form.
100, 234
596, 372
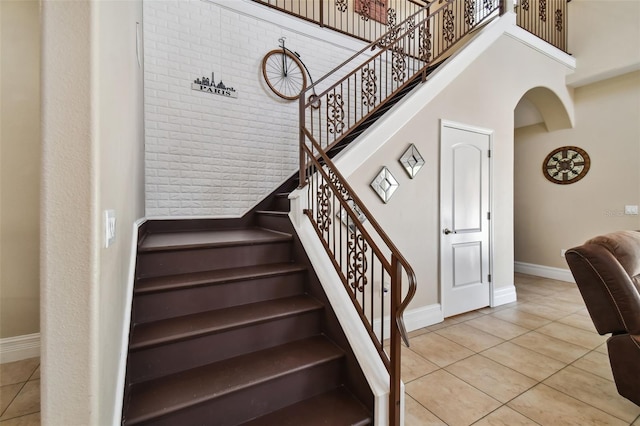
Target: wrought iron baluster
382, 302
469, 12
372, 301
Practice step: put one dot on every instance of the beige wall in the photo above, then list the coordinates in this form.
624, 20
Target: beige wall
119, 110
484, 95
68, 247
19, 167
552, 217
604, 37
92, 161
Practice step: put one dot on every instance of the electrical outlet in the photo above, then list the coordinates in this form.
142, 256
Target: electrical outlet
562, 252
109, 227
631, 210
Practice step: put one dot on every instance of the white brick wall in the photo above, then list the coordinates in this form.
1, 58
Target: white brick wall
208, 155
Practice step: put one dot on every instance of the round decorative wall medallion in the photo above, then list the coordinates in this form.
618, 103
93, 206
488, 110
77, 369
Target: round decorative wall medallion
567, 164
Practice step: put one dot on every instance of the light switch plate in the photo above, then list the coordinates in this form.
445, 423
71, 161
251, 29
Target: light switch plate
109, 227
631, 210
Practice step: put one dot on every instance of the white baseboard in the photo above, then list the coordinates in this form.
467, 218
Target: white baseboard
124, 343
423, 316
19, 347
544, 271
504, 295
414, 319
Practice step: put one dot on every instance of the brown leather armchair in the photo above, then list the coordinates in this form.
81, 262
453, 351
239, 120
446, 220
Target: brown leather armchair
607, 271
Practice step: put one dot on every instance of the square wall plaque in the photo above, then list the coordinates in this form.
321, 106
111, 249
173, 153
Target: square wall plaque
384, 184
412, 161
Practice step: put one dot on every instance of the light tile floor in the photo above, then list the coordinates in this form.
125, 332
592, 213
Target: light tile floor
20, 393
535, 361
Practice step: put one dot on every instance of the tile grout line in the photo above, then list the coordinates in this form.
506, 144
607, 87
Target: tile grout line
13, 400
576, 398
418, 402
529, 330
541, 382
29, 379
476, 353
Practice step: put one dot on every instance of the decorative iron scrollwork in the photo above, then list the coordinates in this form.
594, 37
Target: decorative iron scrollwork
469, 12
399, 63
323, 214
525, 5
335, 113
448, 26
369, 87
488, 5
411, 27
393, 30
543, 10
365, 10
559, 20
424, 46
356, 251
391, 18
341, 190
341, 5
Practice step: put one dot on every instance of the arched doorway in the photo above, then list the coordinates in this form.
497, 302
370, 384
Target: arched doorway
539, 112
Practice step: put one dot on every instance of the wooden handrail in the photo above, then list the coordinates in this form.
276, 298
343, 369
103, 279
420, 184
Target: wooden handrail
345, 187
365, 258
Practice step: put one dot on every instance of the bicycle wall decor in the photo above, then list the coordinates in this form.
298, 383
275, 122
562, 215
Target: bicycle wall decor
286, 74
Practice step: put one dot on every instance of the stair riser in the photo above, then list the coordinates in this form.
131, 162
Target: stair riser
277, 223
280, 204
246, 404
154, 264
169, 304
171, 358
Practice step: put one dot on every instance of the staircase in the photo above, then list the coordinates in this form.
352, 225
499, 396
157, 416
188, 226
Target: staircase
230, 326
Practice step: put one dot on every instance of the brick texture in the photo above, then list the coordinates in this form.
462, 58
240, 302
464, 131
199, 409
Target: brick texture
208, 155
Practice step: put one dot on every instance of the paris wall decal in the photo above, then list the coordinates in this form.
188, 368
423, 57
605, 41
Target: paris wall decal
207, 85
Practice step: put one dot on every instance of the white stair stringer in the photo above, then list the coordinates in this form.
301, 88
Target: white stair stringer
361, 344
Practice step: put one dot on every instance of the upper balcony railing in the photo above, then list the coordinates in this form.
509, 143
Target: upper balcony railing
369, 19
363, 19
362, 84
546, 19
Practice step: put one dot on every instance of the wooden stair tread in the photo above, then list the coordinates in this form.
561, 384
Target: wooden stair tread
181, 390
217, 238
219, 276
189, 326
334, 408
273, 213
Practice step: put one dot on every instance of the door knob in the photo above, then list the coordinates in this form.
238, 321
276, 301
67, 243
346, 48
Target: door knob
448, 231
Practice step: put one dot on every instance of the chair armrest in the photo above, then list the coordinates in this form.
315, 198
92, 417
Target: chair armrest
624, 355
611, 298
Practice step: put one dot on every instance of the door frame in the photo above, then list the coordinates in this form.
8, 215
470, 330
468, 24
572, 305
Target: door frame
483, 131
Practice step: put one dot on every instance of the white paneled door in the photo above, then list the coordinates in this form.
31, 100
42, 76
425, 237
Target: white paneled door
464, 218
